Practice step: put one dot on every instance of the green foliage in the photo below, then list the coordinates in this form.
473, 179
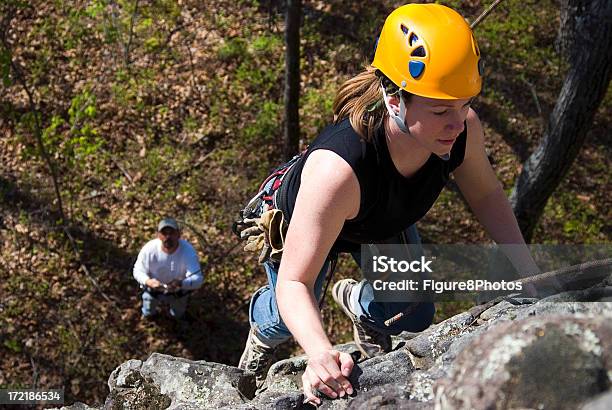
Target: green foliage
579, 220
10, 6
75, 25
75, 139
69, 342
51, 134
266, 125
13, 345
254, 78
319, 102
84, 140
259, 65
190, 124
25, 130
95, 8
232, 49
521, 41
104, 14
153, 21
266, 45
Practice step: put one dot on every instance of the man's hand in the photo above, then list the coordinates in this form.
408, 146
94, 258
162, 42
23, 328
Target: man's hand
153, 283
328, 373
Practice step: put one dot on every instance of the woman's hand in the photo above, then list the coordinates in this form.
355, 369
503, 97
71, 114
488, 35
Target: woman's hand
327, 372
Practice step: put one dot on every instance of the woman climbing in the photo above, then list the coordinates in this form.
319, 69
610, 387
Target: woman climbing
401, 127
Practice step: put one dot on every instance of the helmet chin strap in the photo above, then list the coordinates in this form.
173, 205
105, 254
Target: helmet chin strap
399, 118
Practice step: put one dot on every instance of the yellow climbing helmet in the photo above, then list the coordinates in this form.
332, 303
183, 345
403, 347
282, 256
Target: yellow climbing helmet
429, 50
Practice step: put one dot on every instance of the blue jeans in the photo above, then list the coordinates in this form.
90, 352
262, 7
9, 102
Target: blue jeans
150, 304
265, 318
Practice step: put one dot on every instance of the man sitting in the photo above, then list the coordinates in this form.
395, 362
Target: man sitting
168, 270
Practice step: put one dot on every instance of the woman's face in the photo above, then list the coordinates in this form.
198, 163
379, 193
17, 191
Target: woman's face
436, 124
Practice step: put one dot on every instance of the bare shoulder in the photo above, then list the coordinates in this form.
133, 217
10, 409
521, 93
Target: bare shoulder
333, 179
326, 166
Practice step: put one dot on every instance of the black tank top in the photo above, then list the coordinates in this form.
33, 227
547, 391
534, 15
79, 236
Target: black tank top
390, 202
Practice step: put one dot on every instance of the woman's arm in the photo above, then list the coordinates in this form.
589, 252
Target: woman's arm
328, 196
487, 199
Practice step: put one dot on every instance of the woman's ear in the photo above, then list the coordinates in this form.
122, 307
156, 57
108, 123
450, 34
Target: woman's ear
394, 102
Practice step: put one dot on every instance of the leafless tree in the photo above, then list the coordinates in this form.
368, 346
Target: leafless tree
586, 41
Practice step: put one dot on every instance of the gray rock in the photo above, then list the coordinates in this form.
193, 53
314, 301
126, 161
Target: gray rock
387, 397
123, 376
141, 394
434, 341
551, 361
169, 382
586, 295
601, 402
274, 400
503, 308
285, 375
434, 368
577, 309
77, 406
458, 331
394, 367
435, 349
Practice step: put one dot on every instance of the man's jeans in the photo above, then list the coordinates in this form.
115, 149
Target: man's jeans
266, 320
150, 304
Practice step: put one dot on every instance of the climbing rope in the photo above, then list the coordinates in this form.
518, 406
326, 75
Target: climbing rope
485, 14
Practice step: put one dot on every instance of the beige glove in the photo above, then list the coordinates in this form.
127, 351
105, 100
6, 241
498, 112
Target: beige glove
267, 234
273, 223
255, 239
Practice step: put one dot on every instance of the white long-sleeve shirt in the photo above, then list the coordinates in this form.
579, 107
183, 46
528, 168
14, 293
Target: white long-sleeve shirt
183, 264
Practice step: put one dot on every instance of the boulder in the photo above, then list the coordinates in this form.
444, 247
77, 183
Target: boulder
387, 397
553, 362
601, 402
169, 382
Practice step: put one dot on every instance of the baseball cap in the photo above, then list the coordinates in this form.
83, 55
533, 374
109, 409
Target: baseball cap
167, 223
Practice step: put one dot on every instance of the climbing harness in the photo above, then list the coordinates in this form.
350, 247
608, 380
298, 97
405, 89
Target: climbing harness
262, 223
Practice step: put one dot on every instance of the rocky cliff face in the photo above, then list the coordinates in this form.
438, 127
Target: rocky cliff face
552, 354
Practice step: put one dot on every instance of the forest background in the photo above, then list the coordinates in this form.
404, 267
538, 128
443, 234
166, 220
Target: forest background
175, 107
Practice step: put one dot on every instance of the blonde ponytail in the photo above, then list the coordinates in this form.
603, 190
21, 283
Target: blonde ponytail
360, 99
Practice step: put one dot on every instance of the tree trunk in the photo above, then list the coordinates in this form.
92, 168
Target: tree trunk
585, 85
292, 78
